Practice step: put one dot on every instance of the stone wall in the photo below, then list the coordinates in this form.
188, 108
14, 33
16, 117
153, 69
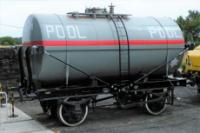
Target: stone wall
9, 69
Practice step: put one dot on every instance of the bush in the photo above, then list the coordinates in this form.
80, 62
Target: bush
9, 41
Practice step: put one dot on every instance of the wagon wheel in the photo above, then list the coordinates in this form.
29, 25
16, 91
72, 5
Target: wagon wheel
155, 107
69, 115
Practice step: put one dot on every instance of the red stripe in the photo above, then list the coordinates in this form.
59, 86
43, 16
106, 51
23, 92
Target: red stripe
104, 42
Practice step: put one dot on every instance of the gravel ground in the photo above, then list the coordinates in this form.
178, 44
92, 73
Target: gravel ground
182, 117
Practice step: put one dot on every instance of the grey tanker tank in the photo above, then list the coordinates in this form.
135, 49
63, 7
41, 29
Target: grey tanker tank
99, 46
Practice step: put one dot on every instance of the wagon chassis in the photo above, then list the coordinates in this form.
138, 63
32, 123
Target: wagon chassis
126, 95
91, 91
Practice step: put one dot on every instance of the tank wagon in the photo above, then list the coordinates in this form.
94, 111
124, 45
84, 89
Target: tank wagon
69, 60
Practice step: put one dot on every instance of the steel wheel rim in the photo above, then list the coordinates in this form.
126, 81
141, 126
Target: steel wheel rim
151, 110
67, 123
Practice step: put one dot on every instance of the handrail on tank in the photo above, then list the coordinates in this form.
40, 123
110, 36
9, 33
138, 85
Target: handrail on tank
96, 15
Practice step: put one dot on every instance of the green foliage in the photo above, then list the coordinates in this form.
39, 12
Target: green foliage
190, 26
18, 40
9, 41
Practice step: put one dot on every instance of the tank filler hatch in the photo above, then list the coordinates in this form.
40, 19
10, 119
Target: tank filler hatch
96, 12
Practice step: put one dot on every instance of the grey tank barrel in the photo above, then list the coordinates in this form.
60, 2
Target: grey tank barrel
106, 46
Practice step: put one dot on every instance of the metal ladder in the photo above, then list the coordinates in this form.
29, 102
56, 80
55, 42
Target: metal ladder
124, 48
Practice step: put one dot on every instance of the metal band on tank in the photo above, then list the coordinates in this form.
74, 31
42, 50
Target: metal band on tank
128, 44
66, 67
166, 37
119, 43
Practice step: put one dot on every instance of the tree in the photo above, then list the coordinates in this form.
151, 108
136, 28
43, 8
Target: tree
190, 26
18, 40
9, 40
